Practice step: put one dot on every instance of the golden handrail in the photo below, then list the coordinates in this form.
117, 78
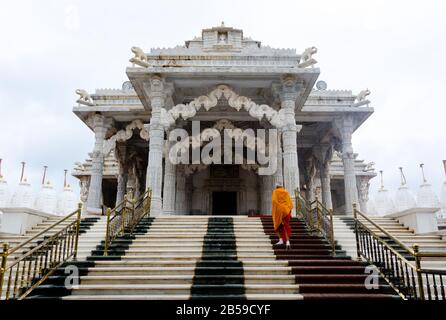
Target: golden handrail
22, 244
34, 266
405, 247
414, 252
322, 222
125, 217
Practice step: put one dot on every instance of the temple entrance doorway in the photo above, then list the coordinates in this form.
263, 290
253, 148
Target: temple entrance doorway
224, 203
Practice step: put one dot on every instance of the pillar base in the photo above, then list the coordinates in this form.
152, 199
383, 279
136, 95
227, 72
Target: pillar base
94, 211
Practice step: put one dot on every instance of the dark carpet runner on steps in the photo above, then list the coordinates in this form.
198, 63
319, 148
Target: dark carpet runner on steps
218, 274
54, 287
319, 274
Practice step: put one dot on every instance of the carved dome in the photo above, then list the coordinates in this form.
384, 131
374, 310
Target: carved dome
67, 202
426, 197
23, 196
4, 193
404, 199
46, 199
383, 202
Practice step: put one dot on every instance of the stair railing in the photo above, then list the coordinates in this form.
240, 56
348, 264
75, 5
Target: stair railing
317, 217
21, 275
125, 216
399, 264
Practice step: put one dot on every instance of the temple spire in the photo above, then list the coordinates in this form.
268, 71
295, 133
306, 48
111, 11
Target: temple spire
65, 178
44, 174
444, 165
23, 171
403, 177
382, 179
422, 172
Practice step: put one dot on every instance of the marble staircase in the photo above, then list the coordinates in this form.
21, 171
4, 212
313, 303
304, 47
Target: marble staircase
211, 257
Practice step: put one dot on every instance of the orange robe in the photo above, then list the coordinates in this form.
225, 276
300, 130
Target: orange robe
282, 206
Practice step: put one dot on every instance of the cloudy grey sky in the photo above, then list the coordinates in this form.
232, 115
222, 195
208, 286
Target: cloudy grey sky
395, 48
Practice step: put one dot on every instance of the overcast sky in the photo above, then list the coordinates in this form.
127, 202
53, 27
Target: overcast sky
396, 49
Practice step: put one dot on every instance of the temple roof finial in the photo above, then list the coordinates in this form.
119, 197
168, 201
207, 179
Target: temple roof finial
403, 178
444, 165
23, 171
382, 179
422, 172
65, 179
44, 174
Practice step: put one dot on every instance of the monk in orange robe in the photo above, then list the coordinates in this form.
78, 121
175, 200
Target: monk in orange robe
281, 213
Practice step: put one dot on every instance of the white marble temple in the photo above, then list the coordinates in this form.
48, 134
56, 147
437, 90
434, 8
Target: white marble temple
222, 75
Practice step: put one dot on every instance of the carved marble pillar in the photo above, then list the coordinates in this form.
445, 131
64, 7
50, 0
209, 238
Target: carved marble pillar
326, 185
345, 127
288, 96
181, 197
121, 155
323, 155
169, 184
84, 185
310, 183
156, 131
100, 125
278, 175
364, 184
267, 187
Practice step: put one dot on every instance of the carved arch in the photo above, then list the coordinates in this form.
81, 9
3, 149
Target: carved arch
125, 134
186, 111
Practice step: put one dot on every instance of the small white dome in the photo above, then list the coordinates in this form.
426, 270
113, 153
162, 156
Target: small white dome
404, 199
23, 196
67, 202
426, 197
4, 193
371, 208
383, 202
47, 199
443, 200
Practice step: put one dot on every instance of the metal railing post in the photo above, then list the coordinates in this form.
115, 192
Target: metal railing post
107, 232
416, 250
3, 266
78, 222
318, 215
124, 215
355, 215
333, 246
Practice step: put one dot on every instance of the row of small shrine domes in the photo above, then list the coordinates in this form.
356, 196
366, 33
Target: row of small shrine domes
47, 199
404, 199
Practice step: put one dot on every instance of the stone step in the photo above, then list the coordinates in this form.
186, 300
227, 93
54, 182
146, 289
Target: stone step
165, 279
262, 296
191, 263
141, 289
197, 256
280, 270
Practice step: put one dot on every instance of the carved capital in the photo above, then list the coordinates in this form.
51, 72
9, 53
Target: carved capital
289, 88
344, 126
